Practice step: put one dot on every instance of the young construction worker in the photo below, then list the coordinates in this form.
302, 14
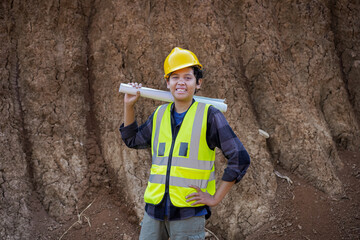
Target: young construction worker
183, 136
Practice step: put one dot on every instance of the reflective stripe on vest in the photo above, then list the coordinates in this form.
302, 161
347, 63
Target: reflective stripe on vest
192, 161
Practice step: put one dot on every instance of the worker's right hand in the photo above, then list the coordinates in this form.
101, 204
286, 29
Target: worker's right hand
130, 99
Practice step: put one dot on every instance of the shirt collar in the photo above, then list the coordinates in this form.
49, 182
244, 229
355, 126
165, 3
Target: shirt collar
173, 106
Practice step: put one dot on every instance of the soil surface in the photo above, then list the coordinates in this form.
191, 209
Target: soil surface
299, 211
106, 217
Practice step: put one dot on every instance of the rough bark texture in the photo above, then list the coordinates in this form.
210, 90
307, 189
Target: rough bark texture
290, 68
346, 27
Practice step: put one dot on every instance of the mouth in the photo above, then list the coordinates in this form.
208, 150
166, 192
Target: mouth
180, 90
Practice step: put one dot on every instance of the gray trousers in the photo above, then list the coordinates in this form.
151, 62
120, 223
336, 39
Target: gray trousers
192, 228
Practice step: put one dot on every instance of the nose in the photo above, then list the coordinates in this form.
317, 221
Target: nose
181, 81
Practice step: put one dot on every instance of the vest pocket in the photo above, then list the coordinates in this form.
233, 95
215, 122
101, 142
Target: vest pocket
183, 149
161, 150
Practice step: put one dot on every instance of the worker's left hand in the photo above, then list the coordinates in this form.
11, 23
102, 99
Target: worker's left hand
201, 197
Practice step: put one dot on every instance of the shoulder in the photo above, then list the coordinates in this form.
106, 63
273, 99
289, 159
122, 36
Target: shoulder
214, 112
216, 119
214, 109
159, 111
161, 107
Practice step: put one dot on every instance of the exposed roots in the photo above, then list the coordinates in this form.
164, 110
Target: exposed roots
79, 221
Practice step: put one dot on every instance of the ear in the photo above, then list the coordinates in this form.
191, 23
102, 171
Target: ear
167, 83
199, 85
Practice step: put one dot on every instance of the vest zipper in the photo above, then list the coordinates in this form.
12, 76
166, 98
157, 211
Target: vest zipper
175, 131
169, 167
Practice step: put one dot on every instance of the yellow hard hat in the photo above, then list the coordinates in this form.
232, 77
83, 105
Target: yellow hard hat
180, 58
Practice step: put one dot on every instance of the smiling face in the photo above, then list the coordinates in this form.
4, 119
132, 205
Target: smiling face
182, 84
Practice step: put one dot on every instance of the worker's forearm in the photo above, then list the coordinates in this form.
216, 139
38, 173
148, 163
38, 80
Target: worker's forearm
223, 189
129, 114
129, 102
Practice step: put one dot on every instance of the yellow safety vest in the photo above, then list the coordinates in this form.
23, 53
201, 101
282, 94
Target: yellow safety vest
192, 161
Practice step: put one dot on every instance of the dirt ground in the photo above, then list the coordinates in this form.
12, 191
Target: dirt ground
302, 212
299, 212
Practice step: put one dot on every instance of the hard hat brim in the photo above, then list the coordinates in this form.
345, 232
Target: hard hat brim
166, 76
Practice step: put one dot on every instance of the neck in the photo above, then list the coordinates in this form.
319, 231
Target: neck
181, 107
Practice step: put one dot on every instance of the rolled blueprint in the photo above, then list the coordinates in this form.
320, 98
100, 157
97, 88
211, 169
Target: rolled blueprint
167, 97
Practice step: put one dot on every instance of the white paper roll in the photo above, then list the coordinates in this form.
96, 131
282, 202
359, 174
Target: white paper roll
167, 97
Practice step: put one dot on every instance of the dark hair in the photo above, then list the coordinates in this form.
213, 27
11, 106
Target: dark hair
198, 73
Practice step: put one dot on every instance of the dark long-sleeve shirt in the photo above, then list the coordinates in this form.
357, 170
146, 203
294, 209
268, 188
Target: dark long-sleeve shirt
219, 134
